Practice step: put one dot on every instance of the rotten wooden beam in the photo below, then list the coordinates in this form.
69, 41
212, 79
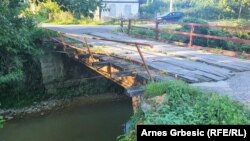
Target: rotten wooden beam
123, 73
100, 64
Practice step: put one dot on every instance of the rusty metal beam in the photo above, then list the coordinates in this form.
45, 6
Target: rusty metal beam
236, 40
144, 63
210, 25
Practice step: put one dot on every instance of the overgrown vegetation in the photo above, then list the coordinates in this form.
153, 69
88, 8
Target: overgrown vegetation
63, 12
183, 104
21, 44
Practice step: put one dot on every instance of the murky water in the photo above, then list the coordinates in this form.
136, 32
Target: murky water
101, 121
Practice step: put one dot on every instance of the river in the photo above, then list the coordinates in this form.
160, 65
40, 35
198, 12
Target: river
98, 121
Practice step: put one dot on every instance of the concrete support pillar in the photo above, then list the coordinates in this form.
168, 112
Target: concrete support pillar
135, 103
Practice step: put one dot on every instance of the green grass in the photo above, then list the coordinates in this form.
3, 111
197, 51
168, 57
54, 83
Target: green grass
1, 122
188, 105
184, 104
85, 21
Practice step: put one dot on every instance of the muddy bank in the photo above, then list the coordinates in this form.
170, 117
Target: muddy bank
46, 107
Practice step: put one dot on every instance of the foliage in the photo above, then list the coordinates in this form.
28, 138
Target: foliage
223, 9
184, 104
20, 46
187, 105
150, 9
56, 13
1, 122
80, 8
85, 21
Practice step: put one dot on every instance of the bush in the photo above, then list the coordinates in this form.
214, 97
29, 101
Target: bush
63, 18
47, 10
20, 45
208, 12
187, 105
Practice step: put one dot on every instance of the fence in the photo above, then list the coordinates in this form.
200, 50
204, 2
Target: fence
191, 34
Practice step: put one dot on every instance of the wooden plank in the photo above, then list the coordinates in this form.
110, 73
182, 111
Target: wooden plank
100, 64
192, 66
210, 76
229, 63
123, 73
211, 62
83, 56
134, 91
178, 72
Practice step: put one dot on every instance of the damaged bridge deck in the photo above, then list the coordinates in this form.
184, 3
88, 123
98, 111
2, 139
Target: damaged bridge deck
122, 63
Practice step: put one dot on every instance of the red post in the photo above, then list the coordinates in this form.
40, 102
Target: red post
144, 63
191, 36
157, 30
129, 25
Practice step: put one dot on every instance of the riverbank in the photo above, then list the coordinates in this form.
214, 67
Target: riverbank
81, 121
177, 103
48, 106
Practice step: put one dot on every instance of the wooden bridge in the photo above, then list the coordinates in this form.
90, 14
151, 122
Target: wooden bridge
132, 62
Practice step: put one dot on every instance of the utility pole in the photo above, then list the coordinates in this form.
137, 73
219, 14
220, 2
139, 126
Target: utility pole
171, 6
241, 5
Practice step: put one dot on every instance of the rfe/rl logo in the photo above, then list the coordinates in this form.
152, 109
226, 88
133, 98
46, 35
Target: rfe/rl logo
226, 132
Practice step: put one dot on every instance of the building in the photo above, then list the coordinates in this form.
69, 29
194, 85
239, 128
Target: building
119, 9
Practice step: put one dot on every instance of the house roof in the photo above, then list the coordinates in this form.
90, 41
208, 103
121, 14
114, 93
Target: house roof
121, 1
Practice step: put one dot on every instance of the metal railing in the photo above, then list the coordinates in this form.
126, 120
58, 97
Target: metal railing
191, 33
85, 38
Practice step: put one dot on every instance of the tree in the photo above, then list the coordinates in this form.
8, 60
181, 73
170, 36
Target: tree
152, 7
20, 42
80, 7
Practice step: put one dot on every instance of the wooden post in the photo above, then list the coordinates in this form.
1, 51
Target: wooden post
191, 36
121, 24
110, 70
90, 58
156, 30
129, 25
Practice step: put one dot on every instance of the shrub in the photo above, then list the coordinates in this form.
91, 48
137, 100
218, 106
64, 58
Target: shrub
20, 45
63, 18
187, 105
184, 104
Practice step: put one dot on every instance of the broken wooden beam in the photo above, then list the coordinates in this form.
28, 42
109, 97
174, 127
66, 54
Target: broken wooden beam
100, 64
83, 56
123, 73
70, 50
134, 91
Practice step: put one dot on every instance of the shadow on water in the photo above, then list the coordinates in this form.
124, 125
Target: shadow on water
99, 121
